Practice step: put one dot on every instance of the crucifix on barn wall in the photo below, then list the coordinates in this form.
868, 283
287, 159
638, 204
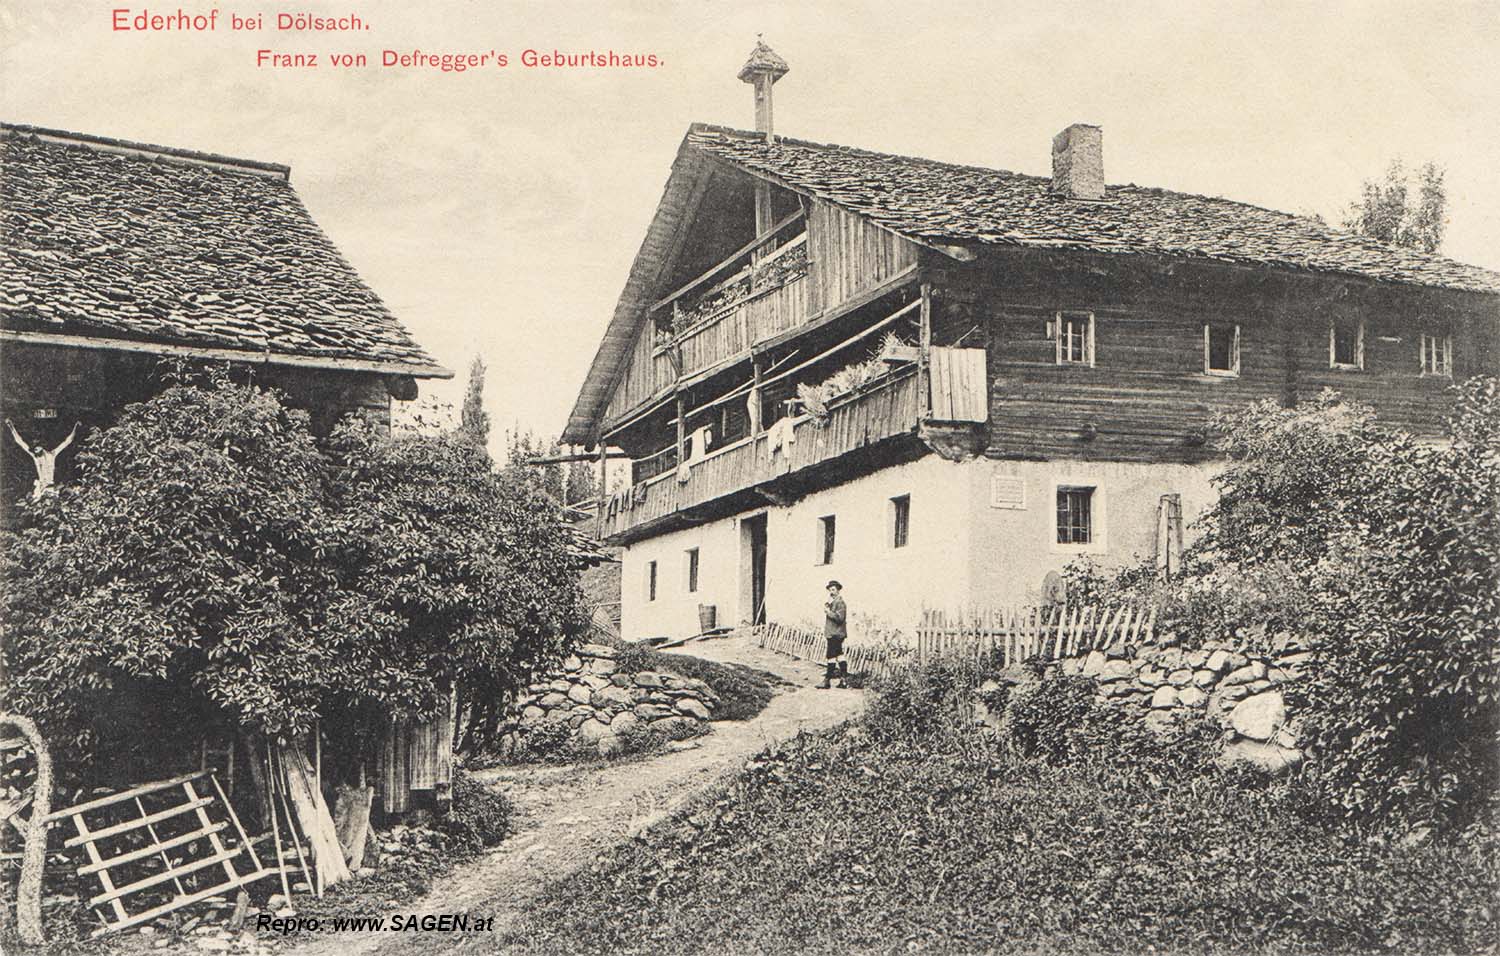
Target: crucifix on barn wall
44, 460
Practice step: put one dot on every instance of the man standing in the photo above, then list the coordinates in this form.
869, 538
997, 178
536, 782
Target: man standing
835, 614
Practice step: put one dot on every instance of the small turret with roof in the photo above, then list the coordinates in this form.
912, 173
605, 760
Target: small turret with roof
762, 70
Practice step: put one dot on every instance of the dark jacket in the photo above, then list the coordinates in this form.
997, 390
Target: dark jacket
834, 613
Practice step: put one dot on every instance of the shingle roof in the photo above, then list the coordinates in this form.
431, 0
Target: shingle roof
123, 240
942, 202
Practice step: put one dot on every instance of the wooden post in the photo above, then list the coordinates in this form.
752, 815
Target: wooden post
681, 429
599, 495
757, 369
924, 357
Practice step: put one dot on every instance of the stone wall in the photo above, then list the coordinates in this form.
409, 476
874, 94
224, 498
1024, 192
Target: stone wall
1240, 690
603, 705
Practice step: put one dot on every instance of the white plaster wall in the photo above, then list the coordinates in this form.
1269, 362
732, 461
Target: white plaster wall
1013, 549
883, 586
961, 549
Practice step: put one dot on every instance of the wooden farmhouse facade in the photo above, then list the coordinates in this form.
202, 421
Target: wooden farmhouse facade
118, 255
939, 384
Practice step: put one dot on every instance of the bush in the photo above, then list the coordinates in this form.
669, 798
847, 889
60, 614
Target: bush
920, 702
213, 566
478, 817
1044, 718
1385, 552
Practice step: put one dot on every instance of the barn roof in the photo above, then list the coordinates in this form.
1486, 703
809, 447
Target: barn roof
945, 204
114, 240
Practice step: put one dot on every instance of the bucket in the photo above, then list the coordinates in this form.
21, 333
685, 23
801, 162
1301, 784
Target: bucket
708, 617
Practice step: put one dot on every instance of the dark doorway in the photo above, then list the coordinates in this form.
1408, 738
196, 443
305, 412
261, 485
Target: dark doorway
753, 567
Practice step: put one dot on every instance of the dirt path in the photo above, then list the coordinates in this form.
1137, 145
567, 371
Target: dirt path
567, 816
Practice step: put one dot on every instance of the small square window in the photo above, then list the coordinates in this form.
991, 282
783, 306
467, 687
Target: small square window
1075, 515
691, 569
826, 533
1437, 354
650, 580
1346, 344
900, 521
1221, 349
1073, 338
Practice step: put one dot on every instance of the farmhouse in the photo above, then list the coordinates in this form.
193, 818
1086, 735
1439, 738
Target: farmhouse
118, 255
940, 384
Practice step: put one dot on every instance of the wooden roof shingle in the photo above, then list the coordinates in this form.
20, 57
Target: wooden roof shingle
109, 239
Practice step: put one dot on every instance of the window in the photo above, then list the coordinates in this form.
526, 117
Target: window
1073, 336
825, 539
900, 520
1437, 354
1075, 515
651, 580
1221, 349
1346, 344
691, 569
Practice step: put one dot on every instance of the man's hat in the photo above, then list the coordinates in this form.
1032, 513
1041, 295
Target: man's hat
833, 584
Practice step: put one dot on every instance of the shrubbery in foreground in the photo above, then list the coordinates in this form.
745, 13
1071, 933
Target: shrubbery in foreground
1385, 551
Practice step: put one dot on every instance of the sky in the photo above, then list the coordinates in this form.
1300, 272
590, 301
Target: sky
497, 211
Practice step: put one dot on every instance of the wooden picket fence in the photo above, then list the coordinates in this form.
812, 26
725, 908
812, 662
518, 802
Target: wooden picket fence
812, 646
1009, 635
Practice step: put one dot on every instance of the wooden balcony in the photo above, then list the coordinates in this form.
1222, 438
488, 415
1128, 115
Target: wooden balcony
757, 303
885, 411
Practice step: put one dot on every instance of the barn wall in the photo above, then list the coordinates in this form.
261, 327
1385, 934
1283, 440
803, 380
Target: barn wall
1147, 398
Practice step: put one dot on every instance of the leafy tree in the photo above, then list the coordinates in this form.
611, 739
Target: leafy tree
581, 482
1388, 550
522, 448
211, 565
1386, 210
474, 421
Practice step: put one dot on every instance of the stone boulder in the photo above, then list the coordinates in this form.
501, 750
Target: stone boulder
593, 730
624, 722
1165, 696
1259, 717
692, 707
648, 679
579, 693
1093, 663
1116, 670
598, 650
613, 698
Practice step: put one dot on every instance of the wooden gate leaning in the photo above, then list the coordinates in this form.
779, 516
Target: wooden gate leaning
175, 840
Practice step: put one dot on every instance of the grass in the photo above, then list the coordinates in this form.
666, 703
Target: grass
842, 843
743, 691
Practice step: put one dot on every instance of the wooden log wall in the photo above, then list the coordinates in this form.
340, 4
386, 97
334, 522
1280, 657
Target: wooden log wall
1147, 397
848, 255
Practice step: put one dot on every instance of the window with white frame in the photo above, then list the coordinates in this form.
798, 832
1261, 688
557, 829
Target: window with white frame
1221, 348
650, 580
1346, 343
900, 521
827, 529
690, 570
1075, 514
1437, 354
1073, 338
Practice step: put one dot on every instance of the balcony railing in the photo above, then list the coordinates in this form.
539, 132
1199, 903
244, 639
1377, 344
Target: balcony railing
883, 410
703, 324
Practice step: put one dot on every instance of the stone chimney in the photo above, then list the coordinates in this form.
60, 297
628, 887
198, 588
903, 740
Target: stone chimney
762, 71
1078, 162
